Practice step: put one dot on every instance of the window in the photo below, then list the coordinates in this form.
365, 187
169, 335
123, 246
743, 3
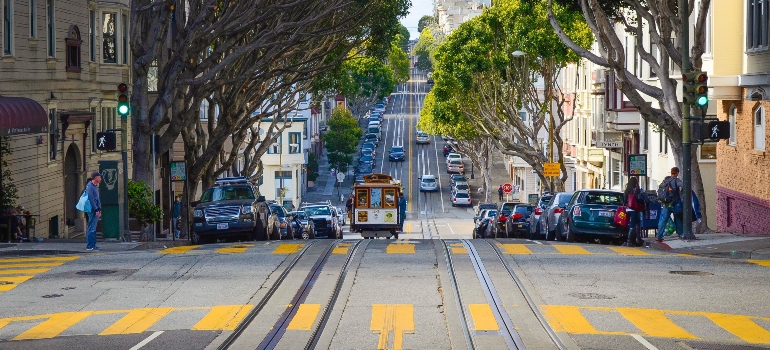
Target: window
108, 118
93, 131
52, 130
759, 128
646, 137
8, 27
708, 151
757, 25
733, 133
294, 143
124, 33
32, 19
51, 27
73, 49
152, 77
92, 34
708, 32
204, 110
654, 53
615, 173
276, 147
109, 38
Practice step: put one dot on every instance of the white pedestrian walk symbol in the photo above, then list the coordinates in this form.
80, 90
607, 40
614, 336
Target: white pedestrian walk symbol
715, 132
102, 140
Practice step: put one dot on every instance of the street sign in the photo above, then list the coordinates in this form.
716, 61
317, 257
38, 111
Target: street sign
106, 141
551, 169
637, 165
507, 188
178, 171
609, 144
340, 177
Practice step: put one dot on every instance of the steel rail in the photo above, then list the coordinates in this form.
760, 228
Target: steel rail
458, 298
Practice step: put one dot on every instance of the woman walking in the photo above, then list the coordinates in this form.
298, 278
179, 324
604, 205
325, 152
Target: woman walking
634, 202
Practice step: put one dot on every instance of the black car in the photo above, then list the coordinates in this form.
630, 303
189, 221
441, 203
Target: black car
284, 220
373, 138
396, 154
503, 212
229, 210
364, 169
324, 219
517, 223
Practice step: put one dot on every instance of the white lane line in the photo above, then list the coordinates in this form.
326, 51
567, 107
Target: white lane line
644, 342
147, 340
438, 171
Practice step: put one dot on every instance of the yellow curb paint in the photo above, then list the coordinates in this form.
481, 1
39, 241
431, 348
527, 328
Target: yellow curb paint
52, 327
288, 248
137, 321
234, 249
223, 318
742, 327
398, 248
25, 271
569, 319
629, 251
483, 318
459, 250
571, 249
654, 323
396, 318
63, 258
407, 226
456, 245
305, 317
760, 262
343, 245
519, 249
178, 250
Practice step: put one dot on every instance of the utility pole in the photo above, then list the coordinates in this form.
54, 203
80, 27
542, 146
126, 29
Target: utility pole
686, 195
550, 115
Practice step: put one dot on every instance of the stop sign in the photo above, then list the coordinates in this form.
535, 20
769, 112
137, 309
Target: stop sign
507, 188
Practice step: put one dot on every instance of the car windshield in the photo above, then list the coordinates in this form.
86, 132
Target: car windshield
508, 206
366, 158
429, 180
321, 210
544, 200
491, 213
300, 215
367, 152
227, 193
462, 195
521, 209
459, 178
278, 210
462, 187
604, 198
397, 150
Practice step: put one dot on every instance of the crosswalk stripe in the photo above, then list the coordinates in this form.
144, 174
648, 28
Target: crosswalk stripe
458, 250
571, 249
629, 251
305, 317
569, 319
224, 317
483, 318
179, 249
397, 248
235, 249
288, 248
743, 327
62, 258
52, 327
22, 271
10, 282
137, 321
760, 262
654, 323
34, 264
518, 249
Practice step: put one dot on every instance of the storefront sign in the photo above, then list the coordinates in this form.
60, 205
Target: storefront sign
609, 144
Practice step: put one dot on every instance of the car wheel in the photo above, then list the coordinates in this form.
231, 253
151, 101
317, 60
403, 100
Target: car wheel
290, 232
535, 234
569, 233
550, 235
196, 238
276, 234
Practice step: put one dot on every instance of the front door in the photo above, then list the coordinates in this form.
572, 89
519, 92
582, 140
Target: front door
72, 184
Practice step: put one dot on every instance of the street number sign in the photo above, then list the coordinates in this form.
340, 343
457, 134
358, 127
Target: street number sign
507, 188
551, 169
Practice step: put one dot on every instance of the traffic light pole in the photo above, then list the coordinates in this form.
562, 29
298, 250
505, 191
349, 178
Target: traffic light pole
686, 140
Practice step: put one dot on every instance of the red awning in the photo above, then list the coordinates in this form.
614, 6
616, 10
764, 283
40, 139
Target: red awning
21, 115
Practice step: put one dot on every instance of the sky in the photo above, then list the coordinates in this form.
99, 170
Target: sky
419, 8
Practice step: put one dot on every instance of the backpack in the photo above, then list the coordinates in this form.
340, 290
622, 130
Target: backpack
668, 192
637, 201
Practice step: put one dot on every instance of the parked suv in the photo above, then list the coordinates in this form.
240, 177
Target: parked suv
517, 223
324, 219
230, 209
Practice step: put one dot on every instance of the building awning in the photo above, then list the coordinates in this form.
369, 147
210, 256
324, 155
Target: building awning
21, 115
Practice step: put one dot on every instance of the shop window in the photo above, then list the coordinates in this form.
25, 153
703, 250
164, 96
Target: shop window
73, 49
708, 151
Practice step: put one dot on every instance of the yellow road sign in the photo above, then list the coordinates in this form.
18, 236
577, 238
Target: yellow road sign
551, 169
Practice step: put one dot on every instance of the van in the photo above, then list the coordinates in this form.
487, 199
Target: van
374, 123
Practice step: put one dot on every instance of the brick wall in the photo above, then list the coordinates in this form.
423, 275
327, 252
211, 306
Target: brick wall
743, 191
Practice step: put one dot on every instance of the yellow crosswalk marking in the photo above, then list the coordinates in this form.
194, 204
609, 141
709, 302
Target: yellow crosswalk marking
305, 317
34, 264
288, 248
22, 271
629, 251
569, 319
52, 327
223, 318
516, 249
760, 262
342, 251
396, 318
137, 321
743, 327
571, 249
61, 258
235, 249
407, 225
456, 250
179, 249
654, 323
10, 282
483, 318
399, 248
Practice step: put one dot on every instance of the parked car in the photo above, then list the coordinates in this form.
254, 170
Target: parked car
375, 117
373, 138
380, 107
485, 213
549, 219
364, 169
366, 160
369, 145
457, 178
455, 166
324, 219
452, 156
591, 214
517, 223
396, 154
461, 199
461, 187
484, 227
284, 221
342, 216
428, 183
534, 224
302, 225
423, 138
505, 210
482, 206
448, 149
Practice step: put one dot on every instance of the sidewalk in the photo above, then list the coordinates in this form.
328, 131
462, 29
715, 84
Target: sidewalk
324, 185
717, 245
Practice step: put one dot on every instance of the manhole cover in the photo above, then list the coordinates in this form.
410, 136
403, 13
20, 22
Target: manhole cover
53, 296
68, 288
691, 273
95, 272
591, 296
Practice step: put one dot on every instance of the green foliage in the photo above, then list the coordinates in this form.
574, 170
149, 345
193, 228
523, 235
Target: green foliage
366, 77
312, 167
8, 191
341, 139
399, 63
424, 22
340, 161
140, 204
403, 38
423, 61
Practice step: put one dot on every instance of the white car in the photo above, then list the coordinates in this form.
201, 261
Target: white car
455, 166
428, 183
461, 187
423, 137
374, 124
462, 199
453, 155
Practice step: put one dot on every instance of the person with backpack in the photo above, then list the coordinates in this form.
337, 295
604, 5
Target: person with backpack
669, 194
635, 202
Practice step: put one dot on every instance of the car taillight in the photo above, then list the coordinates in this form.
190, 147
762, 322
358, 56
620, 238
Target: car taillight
502, 218
538, 211
517, 216
558, 210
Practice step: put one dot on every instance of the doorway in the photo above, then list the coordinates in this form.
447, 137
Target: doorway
72, 184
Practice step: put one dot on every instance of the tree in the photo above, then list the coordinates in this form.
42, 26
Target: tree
430, 38
424, 22
403, 40
341, 139
141, 207
398, 62
654, 23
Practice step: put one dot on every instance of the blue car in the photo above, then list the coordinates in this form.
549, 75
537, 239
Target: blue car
364, 160
396, 154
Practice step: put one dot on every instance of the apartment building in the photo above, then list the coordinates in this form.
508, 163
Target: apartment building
452, 13
284, 175
60, 64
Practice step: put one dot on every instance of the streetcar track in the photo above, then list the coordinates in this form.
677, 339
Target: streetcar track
458, 298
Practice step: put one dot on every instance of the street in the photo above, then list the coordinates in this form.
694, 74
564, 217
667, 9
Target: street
433, 288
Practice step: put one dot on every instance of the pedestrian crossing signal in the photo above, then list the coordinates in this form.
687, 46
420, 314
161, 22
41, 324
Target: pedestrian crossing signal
106, 141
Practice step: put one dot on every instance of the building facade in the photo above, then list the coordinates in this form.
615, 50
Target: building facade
67, 58
284, 174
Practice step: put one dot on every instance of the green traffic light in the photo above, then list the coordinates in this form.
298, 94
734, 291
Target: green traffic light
703, 100
123, 109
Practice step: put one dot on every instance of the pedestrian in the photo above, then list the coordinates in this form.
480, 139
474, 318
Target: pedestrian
349, 208
92, 190
500, 192
669, 194
401, 211
176, 212
635, 207
21, 223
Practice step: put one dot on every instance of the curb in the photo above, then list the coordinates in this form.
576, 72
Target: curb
161, 244
653, 244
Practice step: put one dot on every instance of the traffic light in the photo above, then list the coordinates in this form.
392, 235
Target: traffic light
123, 106
695, 90
701, 90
